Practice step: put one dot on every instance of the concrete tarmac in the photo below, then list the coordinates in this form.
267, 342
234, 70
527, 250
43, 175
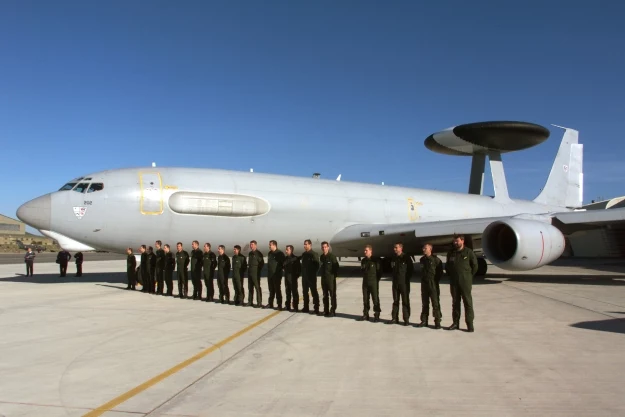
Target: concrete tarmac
547, 343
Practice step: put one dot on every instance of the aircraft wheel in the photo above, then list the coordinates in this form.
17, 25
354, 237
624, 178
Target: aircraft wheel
482, 267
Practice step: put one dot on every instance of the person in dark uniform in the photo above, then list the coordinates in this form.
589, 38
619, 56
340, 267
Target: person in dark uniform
223, 271
239, 266
402, 272
209, 263
152, 261
131, 266
182, 262
461, 267
255, 263
29, 260
170, 265
275, 265
196, 269
79, 258
371, 273
310, 267
431, 273
292, 271
160, 267
329, 271
144, 268
62, 258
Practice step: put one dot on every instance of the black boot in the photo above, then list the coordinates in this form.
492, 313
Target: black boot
424, 323
365, 317
437, 324
376, 317
453, 327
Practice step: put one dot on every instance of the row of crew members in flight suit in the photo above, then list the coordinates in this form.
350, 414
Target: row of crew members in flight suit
157, 269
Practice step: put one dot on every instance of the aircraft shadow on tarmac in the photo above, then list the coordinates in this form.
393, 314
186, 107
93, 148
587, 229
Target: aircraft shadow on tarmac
613, 280
611, 325
110, 277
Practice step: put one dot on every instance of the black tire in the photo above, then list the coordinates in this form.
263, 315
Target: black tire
482, 267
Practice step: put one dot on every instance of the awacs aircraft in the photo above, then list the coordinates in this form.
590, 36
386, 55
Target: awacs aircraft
34, 247
116, 209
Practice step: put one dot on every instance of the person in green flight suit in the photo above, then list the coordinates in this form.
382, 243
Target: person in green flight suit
197, 259
160, 267
275, 265
209, 263
255, 263
329, 270
223, 271
144, 268
131, 265
152, 272
461, 267
292, 271
402, 272
431, 273
310, 267
170, 265
239, 266
371, 274
182, 262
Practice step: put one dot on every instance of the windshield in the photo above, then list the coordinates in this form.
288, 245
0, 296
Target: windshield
67, 186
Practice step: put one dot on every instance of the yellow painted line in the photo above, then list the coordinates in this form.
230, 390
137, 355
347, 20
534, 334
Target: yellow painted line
151, 382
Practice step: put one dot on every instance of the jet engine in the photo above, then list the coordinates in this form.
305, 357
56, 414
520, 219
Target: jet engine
521, 244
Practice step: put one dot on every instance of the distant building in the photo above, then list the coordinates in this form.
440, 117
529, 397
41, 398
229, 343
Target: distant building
9, 226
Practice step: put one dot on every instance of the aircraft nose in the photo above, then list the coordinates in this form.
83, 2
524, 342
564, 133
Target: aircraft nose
37, 212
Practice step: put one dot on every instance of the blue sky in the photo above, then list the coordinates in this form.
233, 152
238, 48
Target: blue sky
296, 87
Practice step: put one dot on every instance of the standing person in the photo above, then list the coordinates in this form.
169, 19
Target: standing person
170, 265
255, 265
371, 274
131, 265
431, 273
402, 272
144, 268
29, 259
292, 271
182, 262
223, 270
152, 274
196, 269
275, 265
209, 263
329, 271
310, 267
78, 257
461, 266
160, 266
239, 266
62, 258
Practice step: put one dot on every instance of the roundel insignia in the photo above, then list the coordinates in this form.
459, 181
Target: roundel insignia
565, 168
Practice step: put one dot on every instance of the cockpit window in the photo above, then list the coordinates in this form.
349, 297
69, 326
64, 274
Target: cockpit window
96, 186
67, 186
82, 187
87, 179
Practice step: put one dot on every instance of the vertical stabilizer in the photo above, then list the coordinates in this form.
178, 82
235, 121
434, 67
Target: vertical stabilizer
564, 187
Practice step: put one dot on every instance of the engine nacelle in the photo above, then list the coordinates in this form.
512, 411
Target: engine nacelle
521, 245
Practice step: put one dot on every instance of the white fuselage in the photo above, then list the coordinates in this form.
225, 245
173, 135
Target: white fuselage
129, 211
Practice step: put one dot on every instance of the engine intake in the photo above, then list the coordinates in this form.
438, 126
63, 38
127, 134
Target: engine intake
521, 245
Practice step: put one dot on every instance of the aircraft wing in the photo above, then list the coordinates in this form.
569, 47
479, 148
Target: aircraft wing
575, 221
440, 233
